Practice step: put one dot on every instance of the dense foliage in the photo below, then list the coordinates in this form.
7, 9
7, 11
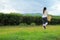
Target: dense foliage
55, 20
16, 19
9, 19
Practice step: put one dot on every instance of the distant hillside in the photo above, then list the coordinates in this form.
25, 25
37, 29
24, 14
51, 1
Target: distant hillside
32, 14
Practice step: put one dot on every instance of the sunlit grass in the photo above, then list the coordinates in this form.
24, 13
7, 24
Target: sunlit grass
30, 33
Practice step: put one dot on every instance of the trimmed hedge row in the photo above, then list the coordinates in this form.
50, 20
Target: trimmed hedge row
16, 19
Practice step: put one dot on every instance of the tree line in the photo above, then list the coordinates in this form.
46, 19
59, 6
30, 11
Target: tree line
17, 19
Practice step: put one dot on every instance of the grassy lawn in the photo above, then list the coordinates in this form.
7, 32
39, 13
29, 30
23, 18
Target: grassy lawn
30, 32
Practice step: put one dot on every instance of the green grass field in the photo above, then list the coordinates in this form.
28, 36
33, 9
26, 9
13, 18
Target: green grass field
30, 32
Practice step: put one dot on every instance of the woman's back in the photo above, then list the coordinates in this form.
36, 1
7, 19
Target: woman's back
45, 13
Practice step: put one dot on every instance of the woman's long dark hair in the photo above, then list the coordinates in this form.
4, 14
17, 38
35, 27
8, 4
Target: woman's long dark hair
44, 9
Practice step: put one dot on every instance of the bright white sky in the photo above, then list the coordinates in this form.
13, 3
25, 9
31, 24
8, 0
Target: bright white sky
30, 6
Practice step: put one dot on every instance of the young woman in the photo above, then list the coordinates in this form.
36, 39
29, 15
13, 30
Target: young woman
44, 17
